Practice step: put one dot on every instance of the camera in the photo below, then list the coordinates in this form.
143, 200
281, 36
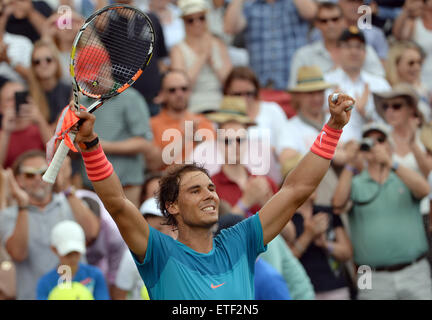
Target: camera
366, 144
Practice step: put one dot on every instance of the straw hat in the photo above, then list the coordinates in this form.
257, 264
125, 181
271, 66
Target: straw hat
188, 7
231, 109
309, 79
399, 90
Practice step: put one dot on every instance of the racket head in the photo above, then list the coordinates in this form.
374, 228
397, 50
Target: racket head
111, 50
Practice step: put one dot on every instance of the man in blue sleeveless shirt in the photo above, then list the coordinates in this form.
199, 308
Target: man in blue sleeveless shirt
198, 265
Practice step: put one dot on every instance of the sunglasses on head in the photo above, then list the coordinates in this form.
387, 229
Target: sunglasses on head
192, 20
249, 94
174, 89
394, 106
327, 20
30, 172
39, 61
229, 141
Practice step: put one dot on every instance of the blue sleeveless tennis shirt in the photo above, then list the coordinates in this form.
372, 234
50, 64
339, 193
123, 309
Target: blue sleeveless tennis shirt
173, 271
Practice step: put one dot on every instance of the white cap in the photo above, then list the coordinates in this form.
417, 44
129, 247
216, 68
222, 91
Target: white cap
188, 7
150, 207
68, 236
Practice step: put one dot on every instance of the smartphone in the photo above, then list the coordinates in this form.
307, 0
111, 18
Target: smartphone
20, 98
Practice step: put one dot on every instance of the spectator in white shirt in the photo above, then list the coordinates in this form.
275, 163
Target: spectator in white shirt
353, 80
308, 97
325, 53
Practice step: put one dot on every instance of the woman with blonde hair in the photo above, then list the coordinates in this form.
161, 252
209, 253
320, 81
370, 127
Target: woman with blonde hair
46, 87
203, 56
404, 65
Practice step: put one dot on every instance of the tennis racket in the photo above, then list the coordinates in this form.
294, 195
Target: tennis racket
108, 55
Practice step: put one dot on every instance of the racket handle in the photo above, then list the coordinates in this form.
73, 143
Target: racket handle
57, 161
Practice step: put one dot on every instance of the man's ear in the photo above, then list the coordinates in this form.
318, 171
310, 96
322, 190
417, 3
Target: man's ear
172, 208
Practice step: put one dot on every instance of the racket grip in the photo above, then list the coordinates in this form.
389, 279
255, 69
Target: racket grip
57, 161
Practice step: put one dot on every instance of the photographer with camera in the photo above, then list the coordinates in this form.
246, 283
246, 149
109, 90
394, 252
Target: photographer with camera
386, 227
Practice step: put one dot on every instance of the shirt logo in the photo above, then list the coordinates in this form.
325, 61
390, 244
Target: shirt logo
321, 136
217, 286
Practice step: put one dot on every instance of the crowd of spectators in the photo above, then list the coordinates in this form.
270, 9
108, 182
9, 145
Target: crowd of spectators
241, 87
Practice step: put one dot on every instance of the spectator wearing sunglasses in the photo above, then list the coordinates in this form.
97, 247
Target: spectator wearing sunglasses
268, 116
386, 226
175, 117
25, 226
245, 192
325, 52
400, 109
351, 78
413, 23
404, 64
204, 57
51, 94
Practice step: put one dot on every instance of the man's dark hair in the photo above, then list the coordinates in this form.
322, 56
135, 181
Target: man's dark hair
241, 73
169, 187
329, 6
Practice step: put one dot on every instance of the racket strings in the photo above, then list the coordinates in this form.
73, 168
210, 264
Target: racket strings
112, 49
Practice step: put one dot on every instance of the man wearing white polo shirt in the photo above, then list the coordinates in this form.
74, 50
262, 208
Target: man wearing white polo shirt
351, 79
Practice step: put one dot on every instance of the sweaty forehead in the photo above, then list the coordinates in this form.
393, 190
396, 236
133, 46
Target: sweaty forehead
193, 178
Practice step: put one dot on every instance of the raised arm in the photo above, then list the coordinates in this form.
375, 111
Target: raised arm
304, 179
234, 20
403, 27
132, 226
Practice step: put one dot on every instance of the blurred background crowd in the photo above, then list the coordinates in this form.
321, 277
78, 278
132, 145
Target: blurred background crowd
257, 69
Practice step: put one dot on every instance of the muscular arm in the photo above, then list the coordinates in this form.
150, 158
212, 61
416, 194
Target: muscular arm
307, 9
133, 228
234, 20
301, 182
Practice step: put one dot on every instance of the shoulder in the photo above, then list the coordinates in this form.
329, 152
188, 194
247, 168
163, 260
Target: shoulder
91, 270
48, 278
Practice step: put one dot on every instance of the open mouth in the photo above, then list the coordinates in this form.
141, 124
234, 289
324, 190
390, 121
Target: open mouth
209, 208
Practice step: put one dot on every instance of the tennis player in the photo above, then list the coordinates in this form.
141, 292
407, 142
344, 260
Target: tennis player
198, 265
